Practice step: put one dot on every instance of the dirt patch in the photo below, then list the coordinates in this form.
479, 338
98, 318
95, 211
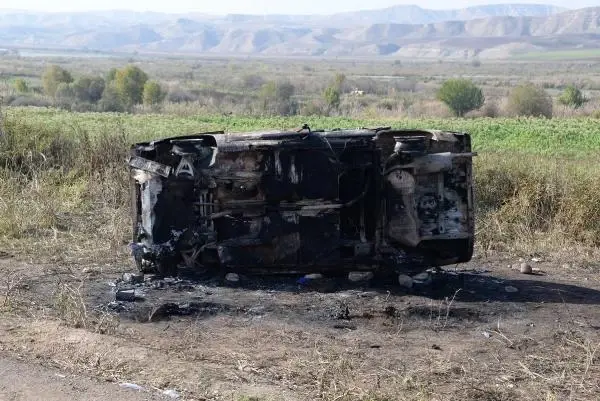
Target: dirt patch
274, 338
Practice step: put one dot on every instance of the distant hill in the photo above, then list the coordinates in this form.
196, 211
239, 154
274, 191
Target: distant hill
492, 31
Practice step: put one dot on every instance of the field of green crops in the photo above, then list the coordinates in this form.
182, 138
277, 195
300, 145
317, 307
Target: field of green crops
577, 137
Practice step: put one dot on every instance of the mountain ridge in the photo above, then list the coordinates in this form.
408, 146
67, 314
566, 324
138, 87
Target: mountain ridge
495, 36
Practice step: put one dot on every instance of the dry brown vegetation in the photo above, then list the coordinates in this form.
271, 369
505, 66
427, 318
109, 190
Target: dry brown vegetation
64, 214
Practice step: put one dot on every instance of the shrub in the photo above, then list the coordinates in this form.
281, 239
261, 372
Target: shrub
111, 101
153, 93
572, 97
529, 100
181, 96
129, 83
53, 77
461, 96
21, 85
27, 100
89, 90
276, 98
332, 97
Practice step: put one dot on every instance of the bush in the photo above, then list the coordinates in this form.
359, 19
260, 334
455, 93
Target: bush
529, 100
181, 96
461, 96
332, 97
27, 100
111, 101
53, 77
129, 83
153, 93
276, 98
572, 97
21, 85
89, 90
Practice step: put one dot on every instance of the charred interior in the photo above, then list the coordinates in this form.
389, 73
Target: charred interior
307, 201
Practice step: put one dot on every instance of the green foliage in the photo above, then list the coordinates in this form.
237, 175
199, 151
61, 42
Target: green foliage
129, 83
332, 97
64, 91
53, 76
21, 85
111, 100
333, 93
573, 137
529, 100
111, 75
276, 98
572, 97
153, 93
89, 89
461, 96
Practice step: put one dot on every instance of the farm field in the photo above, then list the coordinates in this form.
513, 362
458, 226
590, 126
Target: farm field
577, 136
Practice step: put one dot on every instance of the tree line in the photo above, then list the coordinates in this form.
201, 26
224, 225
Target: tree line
118, 91
122, 89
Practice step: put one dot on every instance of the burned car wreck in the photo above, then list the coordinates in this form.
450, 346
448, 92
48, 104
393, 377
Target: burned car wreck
303, 201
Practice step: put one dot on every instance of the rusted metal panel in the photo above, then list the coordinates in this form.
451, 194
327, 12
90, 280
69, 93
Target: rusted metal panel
303, 201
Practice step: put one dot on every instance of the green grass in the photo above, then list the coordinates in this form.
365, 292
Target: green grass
564, 137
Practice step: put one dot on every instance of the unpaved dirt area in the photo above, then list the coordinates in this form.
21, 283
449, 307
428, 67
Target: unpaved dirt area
20, 381
488, 332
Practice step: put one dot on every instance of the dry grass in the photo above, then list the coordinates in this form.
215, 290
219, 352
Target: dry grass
559, 365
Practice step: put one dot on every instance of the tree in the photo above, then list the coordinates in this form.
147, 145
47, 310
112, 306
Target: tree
21, 85
64, 91
276, 98
53, 76
111, 101
332, 97
333, 92
153, 93
572, 97
129, 83
88, 89
461, 96
529, 100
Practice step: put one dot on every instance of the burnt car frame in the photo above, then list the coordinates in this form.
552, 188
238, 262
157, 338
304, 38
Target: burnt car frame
303, 201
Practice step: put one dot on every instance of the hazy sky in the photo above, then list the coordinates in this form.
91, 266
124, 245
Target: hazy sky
257, 6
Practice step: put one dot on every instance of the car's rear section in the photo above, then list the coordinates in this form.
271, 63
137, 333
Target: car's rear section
300, 202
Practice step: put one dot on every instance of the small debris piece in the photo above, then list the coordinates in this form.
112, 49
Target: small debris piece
132, 278
232, 277
486, 334
390, 311
536, 260
357, 277
314, 276
436, 347
171, 394
405, 281
131, 386
511, 289
526, 268
125, 295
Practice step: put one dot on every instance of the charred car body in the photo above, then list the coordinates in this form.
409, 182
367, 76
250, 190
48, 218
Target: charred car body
303, 201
